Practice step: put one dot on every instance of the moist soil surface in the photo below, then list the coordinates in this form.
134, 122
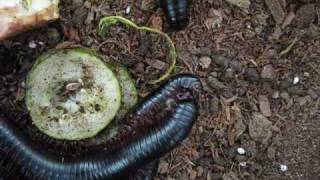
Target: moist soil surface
259, 64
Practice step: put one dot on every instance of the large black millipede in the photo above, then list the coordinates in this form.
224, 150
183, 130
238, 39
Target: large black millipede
25, 159
177, 13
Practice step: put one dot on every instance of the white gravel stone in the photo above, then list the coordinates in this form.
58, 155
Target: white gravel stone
283, 167
241, 151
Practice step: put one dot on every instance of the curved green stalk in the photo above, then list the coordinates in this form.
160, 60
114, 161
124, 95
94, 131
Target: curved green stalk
106, 22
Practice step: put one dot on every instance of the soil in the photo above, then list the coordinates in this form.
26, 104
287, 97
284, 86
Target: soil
260, 112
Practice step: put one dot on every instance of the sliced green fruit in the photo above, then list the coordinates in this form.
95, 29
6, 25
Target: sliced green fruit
129, 98
129, 94
72, 94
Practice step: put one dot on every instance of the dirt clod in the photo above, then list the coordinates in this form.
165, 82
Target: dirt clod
305, 15
268, 72
53, 36
252, 75
260, 128
216, 84
236, 66
221, 60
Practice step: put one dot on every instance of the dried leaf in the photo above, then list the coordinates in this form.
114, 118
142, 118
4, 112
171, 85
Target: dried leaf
65, 44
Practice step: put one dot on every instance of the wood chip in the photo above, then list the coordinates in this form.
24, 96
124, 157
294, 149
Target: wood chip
276, 10
289, 48
163, 167
17, 16
74, 35
242, 4
73, 86
157, 64
288, 20
156, 22
264, 105
65, 44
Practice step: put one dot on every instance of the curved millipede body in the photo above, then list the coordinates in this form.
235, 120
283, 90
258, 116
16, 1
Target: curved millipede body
177, 12
26, 159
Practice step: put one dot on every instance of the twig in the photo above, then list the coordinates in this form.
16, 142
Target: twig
288, 49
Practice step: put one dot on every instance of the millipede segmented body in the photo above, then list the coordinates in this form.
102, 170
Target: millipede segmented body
177, 12
25, 159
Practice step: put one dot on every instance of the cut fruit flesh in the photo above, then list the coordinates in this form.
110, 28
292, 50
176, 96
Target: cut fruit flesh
72, 94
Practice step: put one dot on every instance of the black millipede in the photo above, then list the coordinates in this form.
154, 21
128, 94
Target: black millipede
177, 13
26, 159
160, 98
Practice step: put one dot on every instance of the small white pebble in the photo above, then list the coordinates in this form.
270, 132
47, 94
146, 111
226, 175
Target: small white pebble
128, 9
32, 44
296, 80
205, 62
80, 81
243, 164
241, 151
200, 129
83, 90
283, 168
276, 95
23, 84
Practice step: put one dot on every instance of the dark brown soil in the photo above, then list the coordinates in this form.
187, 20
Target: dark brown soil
261, 79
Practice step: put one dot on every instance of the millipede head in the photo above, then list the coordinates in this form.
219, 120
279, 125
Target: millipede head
189, 82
